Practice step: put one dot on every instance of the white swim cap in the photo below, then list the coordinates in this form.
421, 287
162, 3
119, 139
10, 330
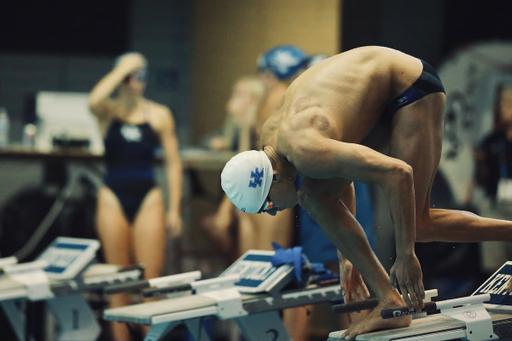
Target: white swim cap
246, 179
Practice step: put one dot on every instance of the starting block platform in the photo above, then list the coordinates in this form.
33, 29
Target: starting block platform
485, 315
59, 277
251, 292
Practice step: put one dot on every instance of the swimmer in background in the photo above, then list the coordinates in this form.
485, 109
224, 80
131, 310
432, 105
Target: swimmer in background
239, 135
325, 130
131, 221
278, 67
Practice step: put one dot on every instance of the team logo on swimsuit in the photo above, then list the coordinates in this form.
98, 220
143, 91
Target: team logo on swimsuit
258, 178
402, 100
131, 133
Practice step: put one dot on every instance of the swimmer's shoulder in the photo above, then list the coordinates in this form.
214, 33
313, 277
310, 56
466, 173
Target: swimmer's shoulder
378, 58
372, 51
160, 116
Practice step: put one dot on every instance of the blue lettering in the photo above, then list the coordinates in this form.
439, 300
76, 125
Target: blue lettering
257, 178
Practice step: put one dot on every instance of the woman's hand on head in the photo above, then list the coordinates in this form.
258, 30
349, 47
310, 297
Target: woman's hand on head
131, 62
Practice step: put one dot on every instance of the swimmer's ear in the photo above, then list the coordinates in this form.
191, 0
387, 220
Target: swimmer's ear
275, 176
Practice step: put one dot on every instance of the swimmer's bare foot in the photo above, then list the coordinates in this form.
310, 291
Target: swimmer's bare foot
374, 322
218, 232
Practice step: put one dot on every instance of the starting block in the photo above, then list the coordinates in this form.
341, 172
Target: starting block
485, 315
251, 292
59, 276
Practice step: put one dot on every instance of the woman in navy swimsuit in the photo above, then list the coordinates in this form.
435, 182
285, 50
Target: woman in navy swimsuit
131, 220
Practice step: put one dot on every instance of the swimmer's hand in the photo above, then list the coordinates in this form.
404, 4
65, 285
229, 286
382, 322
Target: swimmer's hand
131, 62
407, 272
354, 289
218, 143
173, 224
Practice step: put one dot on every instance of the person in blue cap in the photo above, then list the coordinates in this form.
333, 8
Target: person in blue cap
277, 68
328, 129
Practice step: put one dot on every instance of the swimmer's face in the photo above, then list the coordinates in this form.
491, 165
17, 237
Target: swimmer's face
241, 99
283, 195
134, 84
506, 105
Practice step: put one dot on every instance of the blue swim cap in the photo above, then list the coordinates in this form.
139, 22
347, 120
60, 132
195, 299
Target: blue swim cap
284, 61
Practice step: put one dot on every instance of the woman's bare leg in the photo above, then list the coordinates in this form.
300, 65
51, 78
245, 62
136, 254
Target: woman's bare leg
298, 322
247, 232
258, 231
149, 234
149, 237
115, 235
217, 226
278, 228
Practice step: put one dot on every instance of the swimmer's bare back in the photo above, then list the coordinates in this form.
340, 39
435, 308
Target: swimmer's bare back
341, 98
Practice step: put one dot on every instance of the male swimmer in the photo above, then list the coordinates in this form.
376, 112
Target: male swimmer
328, 129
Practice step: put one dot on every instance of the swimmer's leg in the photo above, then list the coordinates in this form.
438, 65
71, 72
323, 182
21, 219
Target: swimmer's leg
149, 237
115, 234
217, 226
417, 139
339, 224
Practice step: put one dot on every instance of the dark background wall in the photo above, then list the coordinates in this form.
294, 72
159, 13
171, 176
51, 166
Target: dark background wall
59, 45
428, 29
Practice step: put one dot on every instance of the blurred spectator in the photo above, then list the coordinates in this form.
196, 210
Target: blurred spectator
277, 68
494, 173
130, 219
494, 157
239, 135
239, 130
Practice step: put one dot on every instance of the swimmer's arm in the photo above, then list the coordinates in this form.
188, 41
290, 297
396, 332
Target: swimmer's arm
100, 102
326, 158
338, 222
173, 164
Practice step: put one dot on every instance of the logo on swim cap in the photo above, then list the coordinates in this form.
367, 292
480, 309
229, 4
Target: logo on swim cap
246, 180
257, 176
284, 61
